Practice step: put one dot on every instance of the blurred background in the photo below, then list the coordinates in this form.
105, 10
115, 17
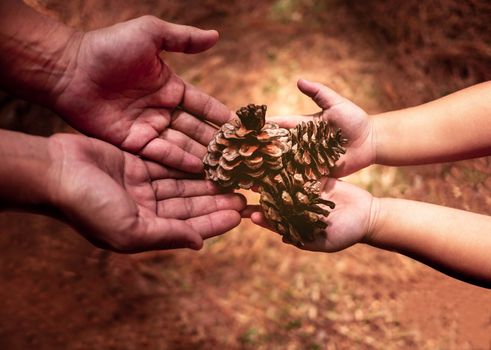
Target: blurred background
246, 290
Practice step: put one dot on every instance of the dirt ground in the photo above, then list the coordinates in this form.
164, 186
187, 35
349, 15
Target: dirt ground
246, 290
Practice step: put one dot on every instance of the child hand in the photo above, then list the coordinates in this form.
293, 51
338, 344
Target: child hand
354, 122
348, 223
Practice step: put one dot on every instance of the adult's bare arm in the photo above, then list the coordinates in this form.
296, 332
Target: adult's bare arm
111, 83
114, 199
35, 52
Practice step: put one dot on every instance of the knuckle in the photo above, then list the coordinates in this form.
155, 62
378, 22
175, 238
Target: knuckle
208, 106
189, 207
149, 19
156, 187
177, 119
211, 225
161, 208
216, 203
165, 153
180, 188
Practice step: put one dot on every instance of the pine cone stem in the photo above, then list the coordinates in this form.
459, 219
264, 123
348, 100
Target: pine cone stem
285, 164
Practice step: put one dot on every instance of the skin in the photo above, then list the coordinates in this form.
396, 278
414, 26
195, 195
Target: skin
450, 128
355, 123
116, 200
112, 84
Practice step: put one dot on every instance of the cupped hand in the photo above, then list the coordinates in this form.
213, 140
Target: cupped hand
117, 88
124, 203
354, 122
348, 223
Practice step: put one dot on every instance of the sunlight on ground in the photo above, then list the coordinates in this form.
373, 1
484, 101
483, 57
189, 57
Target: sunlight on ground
246, 289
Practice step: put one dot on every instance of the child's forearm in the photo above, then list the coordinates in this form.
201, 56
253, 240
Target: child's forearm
457, 126
453, 241
35, 52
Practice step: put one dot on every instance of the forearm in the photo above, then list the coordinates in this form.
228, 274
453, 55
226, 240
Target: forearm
453, 241
24, 172
35, 52
457, 126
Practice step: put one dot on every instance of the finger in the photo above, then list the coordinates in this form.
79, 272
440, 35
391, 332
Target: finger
259, 219
180, 38
164, 152
290, 121
321, 94
249, 210
165, 233
215, 224
184, 142
204, 106
171, 188
146, 127
185, 208
328, 186
157, 171
193, 127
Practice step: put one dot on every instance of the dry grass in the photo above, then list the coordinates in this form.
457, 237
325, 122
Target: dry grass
440, 45
246, 290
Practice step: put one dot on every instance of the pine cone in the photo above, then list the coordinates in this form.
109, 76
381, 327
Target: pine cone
315, 148
293, 206
245, 150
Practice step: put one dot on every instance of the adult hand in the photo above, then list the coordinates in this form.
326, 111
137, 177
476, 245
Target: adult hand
350, 222
354, 122
117, 88
122, 202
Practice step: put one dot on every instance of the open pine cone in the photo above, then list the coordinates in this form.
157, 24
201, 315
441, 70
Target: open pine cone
286, 164
315, 148
245, 150
294, 206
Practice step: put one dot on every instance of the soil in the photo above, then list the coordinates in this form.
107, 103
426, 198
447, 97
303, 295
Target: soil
246, 290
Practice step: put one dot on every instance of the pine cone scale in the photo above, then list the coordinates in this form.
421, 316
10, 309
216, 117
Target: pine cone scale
244, 149
248, 150
286, 164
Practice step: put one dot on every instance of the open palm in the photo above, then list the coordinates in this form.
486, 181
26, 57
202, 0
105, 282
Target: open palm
118, 89
119, 201
348, 223
353, 121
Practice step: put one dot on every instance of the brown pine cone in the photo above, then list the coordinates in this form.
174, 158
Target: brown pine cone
315, 148
245, 150
294, 207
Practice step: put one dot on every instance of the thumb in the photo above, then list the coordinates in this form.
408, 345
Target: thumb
259, 219
290, 121
180, 38
324, 97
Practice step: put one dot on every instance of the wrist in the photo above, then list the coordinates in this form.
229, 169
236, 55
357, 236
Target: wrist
66, 180
377, 138
373, 126
376, 220
57, 183
25, 174
64, 63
